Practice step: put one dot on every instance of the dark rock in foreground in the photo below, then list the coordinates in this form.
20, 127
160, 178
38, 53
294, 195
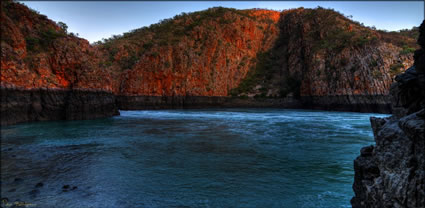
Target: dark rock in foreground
392, 174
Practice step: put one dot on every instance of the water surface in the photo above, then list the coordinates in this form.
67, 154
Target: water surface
186, 158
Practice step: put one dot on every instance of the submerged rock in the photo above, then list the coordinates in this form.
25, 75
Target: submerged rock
18, 180
67, 188
39, 185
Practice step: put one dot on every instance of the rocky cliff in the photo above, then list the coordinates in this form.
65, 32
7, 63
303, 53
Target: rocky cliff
329, 61
48, 74
314, 57
392, 173
204, 53
318, 56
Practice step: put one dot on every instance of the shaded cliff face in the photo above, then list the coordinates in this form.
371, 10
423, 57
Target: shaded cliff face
322, 53
36, 53
392, 173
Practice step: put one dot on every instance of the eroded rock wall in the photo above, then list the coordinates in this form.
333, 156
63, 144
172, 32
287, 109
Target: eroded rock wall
23, 105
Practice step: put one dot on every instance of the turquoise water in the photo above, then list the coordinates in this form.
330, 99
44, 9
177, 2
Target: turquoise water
186, 158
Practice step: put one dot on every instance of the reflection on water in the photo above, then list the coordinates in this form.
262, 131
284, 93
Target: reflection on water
186, 158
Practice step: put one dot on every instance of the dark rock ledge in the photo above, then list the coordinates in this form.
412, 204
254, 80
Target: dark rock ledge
23, 105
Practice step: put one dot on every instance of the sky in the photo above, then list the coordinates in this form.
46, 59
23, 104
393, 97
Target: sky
94, 20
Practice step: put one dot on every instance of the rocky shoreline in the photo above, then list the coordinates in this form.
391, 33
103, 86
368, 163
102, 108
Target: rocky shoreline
193, 102
23, 105
392, 173
355, 103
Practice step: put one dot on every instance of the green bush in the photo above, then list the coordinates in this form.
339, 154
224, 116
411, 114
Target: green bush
33, 44
148, 45
112, 52
376, 74
255, 74
407, 50
360, 41
48, 36
63, 26
42, 43
330, 34
167, 64
224, 21
373, 63
128, 62
395, 69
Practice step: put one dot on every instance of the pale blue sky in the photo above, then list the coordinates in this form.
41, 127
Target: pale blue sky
96, 20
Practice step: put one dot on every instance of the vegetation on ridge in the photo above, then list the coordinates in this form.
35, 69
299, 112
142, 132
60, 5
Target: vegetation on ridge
327, 34
215, 52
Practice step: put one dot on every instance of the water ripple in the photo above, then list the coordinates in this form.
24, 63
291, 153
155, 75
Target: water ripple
186, 158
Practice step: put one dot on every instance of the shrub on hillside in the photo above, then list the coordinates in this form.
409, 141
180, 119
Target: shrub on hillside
407, 50
395, 69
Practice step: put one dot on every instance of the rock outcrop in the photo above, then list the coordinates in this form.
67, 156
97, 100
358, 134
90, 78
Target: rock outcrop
43, 104
392, 173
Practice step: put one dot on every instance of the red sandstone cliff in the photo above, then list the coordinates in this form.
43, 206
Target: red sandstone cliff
303, 51
47, 74
322, 53
36, 53
205, 53
216, 52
